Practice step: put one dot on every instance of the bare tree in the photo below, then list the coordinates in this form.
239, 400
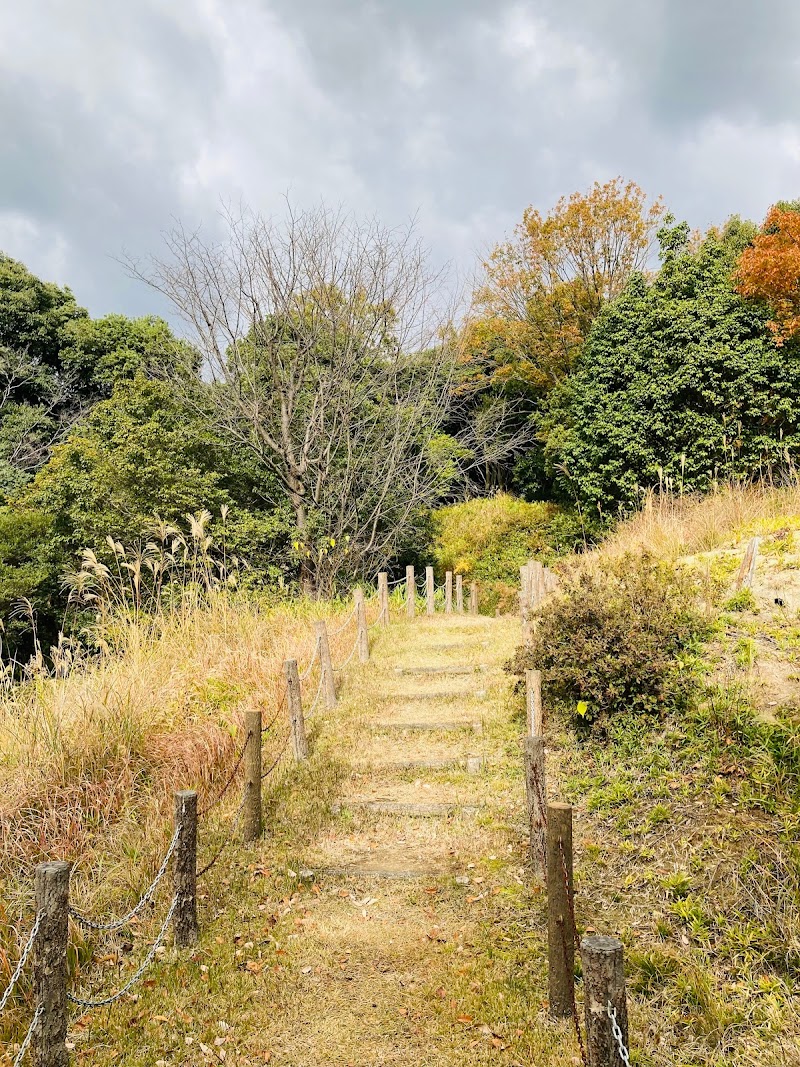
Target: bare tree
327, 353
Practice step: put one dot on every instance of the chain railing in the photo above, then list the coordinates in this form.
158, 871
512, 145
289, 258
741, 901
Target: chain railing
176, 850
117, 924
105, 1001
624, 1055
23, 959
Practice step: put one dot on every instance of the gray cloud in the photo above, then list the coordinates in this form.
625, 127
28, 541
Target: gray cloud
116, 118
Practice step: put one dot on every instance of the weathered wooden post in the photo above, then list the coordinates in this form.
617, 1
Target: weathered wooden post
536, 795
473, 598
184, 919
524, 591
251, 829
295, 700
460, 594
748, 568
430, 591
411, 593
533, 703
49, 1036
361, 622
604, 997
448, 593
383, 598
536, 579
560, 927
326, 664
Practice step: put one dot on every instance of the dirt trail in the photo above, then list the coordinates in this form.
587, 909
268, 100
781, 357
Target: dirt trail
421, 811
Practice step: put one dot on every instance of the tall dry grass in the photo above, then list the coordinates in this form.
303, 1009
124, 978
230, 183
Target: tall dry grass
669, 525
93, 749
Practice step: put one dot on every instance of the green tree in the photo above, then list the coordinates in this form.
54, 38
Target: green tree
679, 383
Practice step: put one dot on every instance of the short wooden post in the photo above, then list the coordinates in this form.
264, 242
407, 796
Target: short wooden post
295, 700
184, 919
383, 598
361, 622
473, 598
560, 927
251, 829
49, 1037
411, 593
448, 593
748, 568
430, 591
326, 664
604, 986
460, 594
536, 579
536, 794
533, 703
524, 590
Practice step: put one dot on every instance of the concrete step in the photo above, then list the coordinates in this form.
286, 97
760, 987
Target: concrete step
419, 811
477, 669
475, 727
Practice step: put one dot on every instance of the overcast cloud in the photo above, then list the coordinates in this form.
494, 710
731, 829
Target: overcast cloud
117, 116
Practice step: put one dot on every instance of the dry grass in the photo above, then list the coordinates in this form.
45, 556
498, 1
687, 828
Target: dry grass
91, 760
671, 526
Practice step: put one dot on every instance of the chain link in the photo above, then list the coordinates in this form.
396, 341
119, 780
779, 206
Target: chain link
23, 959
315, 701
229, 782
228, 837
117, 924
352, 653
23, 1048
140, 971
624, 1055
311, 662
345, 624
278, 758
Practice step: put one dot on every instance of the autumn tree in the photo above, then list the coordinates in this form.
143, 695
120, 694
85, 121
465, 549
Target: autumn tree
543, 289
326, 348
769, 270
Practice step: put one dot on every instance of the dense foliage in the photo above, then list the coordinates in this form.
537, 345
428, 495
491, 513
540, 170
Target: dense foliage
612, 640
489, 539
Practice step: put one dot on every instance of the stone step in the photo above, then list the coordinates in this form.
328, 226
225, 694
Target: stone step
472, 764
419, 811
475, 727
452, 694
366, 873
478, 668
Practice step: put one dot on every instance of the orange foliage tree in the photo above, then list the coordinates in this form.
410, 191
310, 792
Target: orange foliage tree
543, 289
769, 270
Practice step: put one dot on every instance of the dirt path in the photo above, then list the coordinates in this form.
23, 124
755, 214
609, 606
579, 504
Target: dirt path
387, 917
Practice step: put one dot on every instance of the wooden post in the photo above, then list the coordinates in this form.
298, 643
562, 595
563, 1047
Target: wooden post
748, 568
533, 703
430, 591
411, 593
524, 591
536, 794
460, 594
361, 622
473, 598
560, 928
383, 598
50, 964
184, 920
296, 720
604, 984
326, 664
448, 593
252, 776
536, 579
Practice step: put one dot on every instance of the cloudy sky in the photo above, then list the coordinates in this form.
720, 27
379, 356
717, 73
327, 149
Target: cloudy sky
116, 116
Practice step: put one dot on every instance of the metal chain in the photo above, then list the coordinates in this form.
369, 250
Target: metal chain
278, 758
23, 1048
274, 719
540, 796
140, 971
345, 624
228, 837
315, 701
352, 653
624, 1055
23, 959
311, 662
117, 924
229, 782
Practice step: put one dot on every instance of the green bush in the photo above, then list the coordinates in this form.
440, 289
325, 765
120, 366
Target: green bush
615, 639
488, 539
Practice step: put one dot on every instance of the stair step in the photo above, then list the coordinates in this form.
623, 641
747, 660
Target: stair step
421, 811
364, 873
451, 694
443, 670
475, 727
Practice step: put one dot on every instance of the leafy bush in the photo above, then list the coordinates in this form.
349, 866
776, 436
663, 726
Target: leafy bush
614, 639
488, 539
